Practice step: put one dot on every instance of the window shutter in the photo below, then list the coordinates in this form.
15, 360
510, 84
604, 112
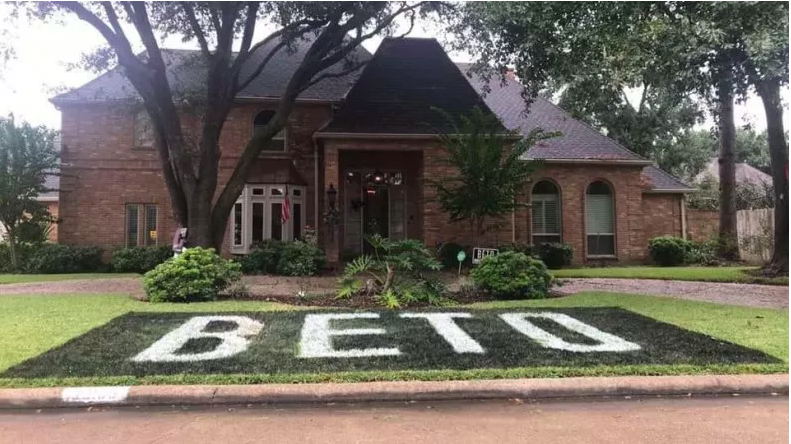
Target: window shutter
551, 220
599, 214
538, 217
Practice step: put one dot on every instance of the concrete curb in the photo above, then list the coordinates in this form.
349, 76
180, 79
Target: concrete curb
395, 391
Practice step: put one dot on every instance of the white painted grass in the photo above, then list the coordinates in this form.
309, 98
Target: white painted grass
607, 342
444, 324
316, 341
232, 342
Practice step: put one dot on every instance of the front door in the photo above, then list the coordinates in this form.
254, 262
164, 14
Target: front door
374, 203
376, 215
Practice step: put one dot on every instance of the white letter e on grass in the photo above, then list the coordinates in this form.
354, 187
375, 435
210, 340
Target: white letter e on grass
317, 336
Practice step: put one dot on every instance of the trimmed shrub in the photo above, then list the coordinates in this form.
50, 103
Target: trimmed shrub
55, 258
668, 251
512, 275
555, 255
197, 274
299, 258
24, 251
139, 259
704, 253
447, 252
526, 249
263, 257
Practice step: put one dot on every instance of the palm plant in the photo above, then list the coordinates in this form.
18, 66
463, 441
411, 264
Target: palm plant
393, 273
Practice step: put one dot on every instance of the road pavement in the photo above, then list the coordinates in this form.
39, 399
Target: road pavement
722, 419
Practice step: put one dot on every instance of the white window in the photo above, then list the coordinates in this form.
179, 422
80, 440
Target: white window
144, 130
267, 212
545, 213
278, 142
600, 219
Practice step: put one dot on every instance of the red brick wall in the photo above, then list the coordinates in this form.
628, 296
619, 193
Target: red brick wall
103, 171
702, 225
661, 215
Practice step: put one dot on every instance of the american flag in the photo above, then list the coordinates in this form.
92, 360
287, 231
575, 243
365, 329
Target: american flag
285, 213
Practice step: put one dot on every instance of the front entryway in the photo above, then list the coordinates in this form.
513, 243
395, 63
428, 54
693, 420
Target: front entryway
379, 194
375, 204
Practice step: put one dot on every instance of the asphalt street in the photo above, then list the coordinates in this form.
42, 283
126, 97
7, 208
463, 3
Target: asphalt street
722, 419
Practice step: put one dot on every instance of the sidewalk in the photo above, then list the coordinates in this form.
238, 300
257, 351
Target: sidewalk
541, 388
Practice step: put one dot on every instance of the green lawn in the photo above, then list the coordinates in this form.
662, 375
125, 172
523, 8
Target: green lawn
708, 274
30, 325
22, 278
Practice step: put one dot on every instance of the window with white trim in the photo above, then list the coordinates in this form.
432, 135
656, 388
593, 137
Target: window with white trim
278, 142
267, 212
545, 213
600, 219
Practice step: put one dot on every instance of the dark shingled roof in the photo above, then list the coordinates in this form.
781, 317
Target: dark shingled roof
397, 93
186, 73
660, 180
579, 140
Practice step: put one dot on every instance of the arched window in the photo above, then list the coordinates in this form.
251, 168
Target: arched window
600, 219
545, 213
144, 130
278, 142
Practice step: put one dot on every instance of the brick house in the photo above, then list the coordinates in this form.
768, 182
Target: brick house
364, 144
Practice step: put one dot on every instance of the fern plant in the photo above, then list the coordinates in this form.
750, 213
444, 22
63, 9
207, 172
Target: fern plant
393, 274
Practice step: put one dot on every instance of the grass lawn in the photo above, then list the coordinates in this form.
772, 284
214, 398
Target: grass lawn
31, 325
22, 278
708, 274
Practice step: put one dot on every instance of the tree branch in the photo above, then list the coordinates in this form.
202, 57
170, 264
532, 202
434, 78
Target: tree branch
328, 75
196, 29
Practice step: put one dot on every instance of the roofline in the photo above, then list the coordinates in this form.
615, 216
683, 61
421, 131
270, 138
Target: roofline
670, 191
132, 100
335, 135
596, 161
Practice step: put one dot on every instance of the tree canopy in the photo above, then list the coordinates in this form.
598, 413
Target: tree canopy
27, 155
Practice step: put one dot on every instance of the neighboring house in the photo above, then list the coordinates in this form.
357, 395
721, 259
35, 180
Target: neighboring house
367, 143
745, 174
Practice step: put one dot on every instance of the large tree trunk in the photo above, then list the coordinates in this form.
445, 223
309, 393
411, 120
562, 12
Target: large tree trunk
778, 155
728, 236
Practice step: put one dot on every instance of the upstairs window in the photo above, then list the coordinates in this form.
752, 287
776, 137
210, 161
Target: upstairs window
278, 142
545, 213
600, 219
144, 130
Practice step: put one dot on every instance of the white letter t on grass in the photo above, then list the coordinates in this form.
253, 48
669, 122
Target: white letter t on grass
444, 324
317, 336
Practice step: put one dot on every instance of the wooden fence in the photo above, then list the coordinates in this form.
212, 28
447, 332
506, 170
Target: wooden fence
756, 234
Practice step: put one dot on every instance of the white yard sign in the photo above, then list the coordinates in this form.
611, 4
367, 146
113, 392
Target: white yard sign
479, 253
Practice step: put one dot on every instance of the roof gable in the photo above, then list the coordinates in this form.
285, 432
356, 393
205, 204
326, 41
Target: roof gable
397, 92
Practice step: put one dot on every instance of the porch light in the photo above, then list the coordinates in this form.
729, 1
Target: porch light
332, 193
378, 177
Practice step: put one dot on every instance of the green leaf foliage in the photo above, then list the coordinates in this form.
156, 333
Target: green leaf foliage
197, 274
139, 259
393, 275
27, 156
491, 171
512, 275
56, 258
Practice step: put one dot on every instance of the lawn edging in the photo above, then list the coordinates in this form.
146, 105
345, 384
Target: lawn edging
541, 388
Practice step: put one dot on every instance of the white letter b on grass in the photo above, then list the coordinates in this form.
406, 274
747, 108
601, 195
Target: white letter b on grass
607, 341
232, 342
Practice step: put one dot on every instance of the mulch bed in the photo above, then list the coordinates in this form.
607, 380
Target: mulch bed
275, 348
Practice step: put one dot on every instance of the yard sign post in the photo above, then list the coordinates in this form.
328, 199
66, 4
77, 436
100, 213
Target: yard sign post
460, 257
